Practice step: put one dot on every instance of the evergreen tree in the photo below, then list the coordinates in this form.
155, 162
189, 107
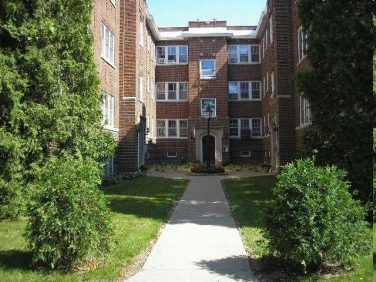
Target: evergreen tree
49, 89
52, 144
340, 44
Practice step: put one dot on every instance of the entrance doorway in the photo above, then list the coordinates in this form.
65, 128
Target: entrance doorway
208, 150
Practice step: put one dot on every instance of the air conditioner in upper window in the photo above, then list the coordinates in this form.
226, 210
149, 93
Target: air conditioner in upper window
161, 60
233, 60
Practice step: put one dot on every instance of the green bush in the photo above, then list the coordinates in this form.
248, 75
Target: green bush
313, 219
69, 221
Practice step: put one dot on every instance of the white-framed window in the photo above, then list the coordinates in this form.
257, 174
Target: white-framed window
172, 55
271, 30
244, 90
305, 111
272, 84
212, 103
108, 45
172, 128
245, 154
141, 32
172, 155
172, 91
207, 68
254, 124
244, 54
108, 111
302, 44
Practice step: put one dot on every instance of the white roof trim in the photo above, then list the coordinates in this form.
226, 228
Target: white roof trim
207, 32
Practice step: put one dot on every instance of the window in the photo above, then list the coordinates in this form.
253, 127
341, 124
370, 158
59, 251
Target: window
272, 83
207, 68
305, 111
183, 91
244, 90
271, 30
161, 128
141, 33
109, 167
234, 130
212, 103
254, 124
171, 91
108, 111
108, 45
183, 126
172, 55
172, 128
256, 127
302, 44
175, 91
243, 54
161, 91
172, 155
246, 154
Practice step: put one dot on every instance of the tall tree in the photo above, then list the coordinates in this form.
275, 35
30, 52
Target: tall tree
339, 86
49, 91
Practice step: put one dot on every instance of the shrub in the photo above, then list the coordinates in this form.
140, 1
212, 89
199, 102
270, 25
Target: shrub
314, 219
206, 169
109, 180
69, 221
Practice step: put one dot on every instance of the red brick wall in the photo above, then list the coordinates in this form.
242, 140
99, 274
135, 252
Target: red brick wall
104, 12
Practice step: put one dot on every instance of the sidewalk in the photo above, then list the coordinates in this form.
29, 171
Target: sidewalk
200, 242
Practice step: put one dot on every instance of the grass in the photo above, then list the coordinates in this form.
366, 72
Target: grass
249, 199
140, 208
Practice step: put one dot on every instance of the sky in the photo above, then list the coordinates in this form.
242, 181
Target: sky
177, 13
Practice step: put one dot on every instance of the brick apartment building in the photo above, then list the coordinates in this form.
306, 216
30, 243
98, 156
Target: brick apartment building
106, 27
168, 76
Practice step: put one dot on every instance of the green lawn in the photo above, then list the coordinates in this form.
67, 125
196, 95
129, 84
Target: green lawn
140, 208
248, 199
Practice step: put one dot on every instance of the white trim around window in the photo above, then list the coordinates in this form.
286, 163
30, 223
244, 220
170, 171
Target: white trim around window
237, 124
302, 44
172, 128
108, 111
108, 45
207, 68
172, 55
244, 54
244, 90
172, 91
305, 111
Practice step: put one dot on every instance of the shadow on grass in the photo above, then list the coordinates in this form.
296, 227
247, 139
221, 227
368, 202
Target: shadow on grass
156, 208
148, 197
249, 199
15, 259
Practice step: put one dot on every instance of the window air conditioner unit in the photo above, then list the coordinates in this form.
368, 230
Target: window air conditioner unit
161, 61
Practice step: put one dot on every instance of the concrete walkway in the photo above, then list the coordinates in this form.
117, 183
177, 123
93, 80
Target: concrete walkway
200, 242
